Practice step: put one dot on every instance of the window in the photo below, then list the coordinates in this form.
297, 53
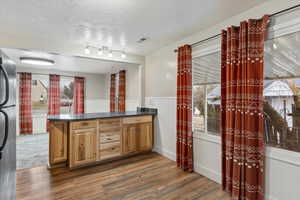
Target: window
206, 93
213, 103
199, 108
66, 94
39, 94
282, 92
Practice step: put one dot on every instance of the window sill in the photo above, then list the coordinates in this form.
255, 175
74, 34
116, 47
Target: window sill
282, 155
207, 137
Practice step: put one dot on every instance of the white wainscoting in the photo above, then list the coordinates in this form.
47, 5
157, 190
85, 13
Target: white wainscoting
207, 156
165, 127
282, 167
39, 123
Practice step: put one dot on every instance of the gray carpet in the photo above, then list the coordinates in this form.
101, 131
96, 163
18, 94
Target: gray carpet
32, 150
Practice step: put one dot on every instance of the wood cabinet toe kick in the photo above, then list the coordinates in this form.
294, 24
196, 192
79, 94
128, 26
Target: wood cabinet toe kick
89, 142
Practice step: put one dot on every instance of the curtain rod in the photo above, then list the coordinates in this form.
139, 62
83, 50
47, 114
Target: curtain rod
47, 74
218, 35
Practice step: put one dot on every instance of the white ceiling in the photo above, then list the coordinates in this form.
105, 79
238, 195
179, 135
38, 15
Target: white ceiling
63, 24
67, 63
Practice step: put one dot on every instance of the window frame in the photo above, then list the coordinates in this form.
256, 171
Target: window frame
274, 31
200, 52
70, 80
34, 82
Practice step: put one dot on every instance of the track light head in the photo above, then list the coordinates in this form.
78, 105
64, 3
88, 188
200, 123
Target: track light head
87, 50
123, 55
110, 54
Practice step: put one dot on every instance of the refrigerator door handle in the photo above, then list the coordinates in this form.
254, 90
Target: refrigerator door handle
7, 86
5, 133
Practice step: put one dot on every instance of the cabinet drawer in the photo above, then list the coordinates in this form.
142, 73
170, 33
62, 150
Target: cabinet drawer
109, 151
83, 124
110, 121
83, 131
109, 145
109, 129
109, 125
109, 137
135, 120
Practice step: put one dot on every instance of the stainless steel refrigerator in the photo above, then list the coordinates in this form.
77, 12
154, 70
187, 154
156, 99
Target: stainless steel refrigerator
7, 128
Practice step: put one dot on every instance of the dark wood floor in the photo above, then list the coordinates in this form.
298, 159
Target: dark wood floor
144, 177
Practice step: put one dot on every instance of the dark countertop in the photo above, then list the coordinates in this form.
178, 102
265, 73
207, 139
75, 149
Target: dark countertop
90, 116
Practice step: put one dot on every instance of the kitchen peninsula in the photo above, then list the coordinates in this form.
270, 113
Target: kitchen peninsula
88, 139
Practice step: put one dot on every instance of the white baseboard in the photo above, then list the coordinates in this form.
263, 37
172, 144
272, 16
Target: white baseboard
211, 174
166, 153
267, 197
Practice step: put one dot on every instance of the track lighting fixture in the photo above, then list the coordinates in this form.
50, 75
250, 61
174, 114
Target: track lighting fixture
104, 50
123, 55
110, 54
87, 50
100, 51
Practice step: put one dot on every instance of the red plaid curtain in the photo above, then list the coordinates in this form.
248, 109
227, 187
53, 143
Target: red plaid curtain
122, 91
79, 95
112, 93
25, 103
184, 154
54, 95
243, 150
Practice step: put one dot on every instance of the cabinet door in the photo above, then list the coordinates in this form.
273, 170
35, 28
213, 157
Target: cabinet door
83, 144
145, 136
57, 142
129, 139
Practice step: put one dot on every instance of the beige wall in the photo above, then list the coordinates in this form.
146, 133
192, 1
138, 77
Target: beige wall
160, 67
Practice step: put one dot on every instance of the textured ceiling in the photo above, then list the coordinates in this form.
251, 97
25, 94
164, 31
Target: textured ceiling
60, 25
67, 63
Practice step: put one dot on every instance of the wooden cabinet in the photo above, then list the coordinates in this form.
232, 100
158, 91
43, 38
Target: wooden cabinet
83, 147
137, 134
145, 135
109, 150
57, 142
129, 138
83, 124
137, 120
109, 138
86, 142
